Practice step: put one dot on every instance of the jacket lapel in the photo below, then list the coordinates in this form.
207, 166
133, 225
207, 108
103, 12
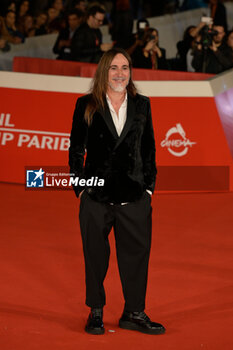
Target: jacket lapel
106, 114
131, 111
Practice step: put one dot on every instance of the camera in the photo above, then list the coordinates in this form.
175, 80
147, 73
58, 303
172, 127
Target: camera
207, 35
207, 20
141, 30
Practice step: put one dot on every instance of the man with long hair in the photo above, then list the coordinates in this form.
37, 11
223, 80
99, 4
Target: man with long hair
113, 126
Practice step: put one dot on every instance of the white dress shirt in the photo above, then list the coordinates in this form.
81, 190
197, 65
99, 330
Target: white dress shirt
120, 119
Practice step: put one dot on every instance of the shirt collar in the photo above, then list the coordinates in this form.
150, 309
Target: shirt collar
124, 103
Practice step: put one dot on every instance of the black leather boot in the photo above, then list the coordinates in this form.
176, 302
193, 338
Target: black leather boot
95, 322
139, 321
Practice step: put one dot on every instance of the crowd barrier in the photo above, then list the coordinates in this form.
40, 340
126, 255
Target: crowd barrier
38, 46
48, 66
68, 68
171, 29
191, 120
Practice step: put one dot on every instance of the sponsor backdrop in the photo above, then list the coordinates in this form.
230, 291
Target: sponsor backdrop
192, 151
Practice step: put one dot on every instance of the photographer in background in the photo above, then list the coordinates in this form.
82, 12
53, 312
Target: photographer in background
62, 46
138, 37
184, 45
211, 54
148, 54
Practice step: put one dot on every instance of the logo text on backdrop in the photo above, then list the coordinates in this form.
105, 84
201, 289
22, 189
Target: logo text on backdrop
178, 147
31, 138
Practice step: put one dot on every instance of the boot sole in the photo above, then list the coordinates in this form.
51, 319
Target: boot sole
134, 327
94, 331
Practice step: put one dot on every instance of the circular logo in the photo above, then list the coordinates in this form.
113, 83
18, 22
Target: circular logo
177, 145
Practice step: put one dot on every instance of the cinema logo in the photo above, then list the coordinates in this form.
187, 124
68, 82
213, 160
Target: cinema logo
57, 178
36, 139
176, 141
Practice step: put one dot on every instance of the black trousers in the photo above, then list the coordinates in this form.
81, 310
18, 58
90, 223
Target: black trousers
132, 229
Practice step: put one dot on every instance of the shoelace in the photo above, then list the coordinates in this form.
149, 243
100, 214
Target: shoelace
144, 316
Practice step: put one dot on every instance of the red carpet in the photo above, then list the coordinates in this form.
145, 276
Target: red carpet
190, 287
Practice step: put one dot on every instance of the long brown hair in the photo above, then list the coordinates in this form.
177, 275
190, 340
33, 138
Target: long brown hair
100, 83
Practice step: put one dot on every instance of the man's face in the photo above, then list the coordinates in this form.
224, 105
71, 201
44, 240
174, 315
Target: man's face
81, 6
119, 73
58, 5
52, 13
28, 22
10, 19
218, 38
24, 6
96, 20
73, 21
41, 19
12, 7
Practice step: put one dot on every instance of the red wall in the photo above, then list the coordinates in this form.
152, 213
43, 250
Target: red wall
35, 127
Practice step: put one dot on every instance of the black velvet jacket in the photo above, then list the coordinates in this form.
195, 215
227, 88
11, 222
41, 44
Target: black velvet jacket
125, 162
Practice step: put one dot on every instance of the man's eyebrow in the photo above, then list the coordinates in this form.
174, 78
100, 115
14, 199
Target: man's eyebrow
115, 65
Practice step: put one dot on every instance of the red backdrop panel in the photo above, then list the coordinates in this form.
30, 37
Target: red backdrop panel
192, 152
83, 69
30, 113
